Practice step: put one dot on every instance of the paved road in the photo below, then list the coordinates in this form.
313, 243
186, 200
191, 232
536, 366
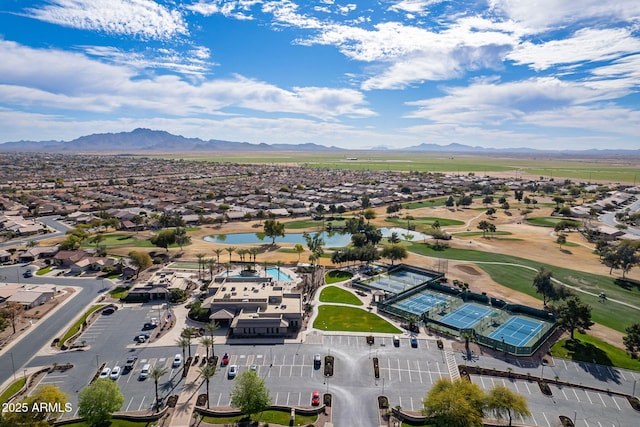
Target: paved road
50, 221
22, 351
609, 218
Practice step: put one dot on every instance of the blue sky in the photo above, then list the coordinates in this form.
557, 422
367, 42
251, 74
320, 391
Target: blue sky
546, 74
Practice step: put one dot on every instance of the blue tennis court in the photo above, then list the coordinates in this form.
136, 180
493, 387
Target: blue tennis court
517, 331
466, 316
386, 284
420, 303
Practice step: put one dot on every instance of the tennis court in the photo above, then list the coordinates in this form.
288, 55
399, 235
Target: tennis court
387, 284
517, 331
466, 316
411, 276
420, 303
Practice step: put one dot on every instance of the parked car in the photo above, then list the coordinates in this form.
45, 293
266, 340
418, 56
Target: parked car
144, 373
254, 368
105, 373
414, 341
225, 359
317, 361
177, 360
142, 338
396, 341
130, 363
115, 373
233, 370
315, 398
27, 274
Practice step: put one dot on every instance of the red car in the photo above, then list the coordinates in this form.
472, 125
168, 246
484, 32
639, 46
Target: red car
225, 359
315, 398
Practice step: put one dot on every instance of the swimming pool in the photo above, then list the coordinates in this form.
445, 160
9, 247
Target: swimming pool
278, 274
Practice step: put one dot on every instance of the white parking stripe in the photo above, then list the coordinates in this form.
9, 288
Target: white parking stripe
614, 401
588, 397
574, 392
546, 419
601, 399
141, 403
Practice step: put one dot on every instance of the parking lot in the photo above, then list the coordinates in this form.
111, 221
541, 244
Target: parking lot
406, 374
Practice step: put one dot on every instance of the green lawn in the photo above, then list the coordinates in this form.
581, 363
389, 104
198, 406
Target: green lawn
44, 270
480, 233
271, 416
118, 239
587, 349
119, 292
612, 315
583, 169
338, 318
546, 221
424, 221
12, 389
76, 327
335, 276
426, 203
336, 294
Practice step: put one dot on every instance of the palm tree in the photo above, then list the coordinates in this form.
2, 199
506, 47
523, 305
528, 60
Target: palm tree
206, 342
188, 333
218, 252
298, 248
212, 328
207, 371
183, 343
230, 249
254, 253
211, 265
200, 257
156, 373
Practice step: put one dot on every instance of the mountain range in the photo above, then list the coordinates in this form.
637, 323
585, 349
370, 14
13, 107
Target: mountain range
148, 141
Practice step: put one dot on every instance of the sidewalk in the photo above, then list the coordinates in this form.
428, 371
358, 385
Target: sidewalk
183, 412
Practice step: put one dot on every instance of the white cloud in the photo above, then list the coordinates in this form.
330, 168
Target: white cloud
230, 9
141, 18
419, 7
495, 104
51, 79
585, 45
541, 15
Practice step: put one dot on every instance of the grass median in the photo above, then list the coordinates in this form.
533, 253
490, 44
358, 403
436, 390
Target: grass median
336, 294
76, 326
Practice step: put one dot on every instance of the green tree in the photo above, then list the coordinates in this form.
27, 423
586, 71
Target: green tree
369, 214
394, 252
156, 373
504, 403
574, 314
632, 339
98, 401
542, 283
48, 394
181, 237
273, 229
454, 404
250, 393
97, 239
140, 260
561, 240
164, 239
230, 249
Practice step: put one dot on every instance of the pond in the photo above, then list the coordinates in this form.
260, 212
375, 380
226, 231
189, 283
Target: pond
331, 239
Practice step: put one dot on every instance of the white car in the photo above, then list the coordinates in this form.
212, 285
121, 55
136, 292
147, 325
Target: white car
233, 370
105, 373
115, 373
177, 361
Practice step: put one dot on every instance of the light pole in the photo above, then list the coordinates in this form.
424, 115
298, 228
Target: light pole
97, 362
633, 393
